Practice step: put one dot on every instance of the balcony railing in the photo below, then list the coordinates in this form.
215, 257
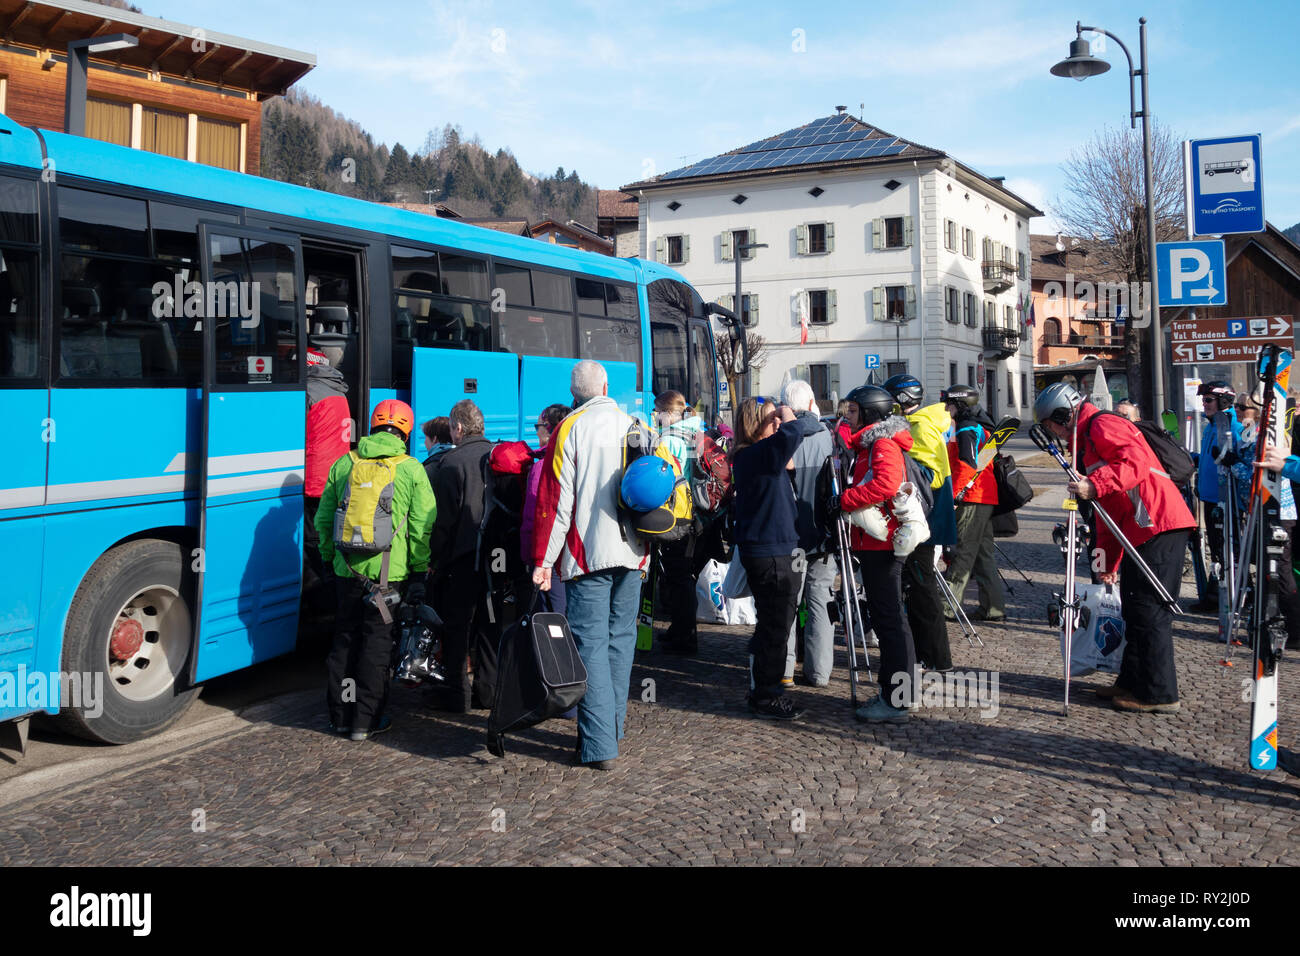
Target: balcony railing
1074, 340
1001, 340
999, 274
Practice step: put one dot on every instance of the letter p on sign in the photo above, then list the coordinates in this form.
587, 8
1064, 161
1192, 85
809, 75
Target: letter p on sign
1192, 273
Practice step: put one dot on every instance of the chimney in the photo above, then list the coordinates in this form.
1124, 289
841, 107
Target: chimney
840, 110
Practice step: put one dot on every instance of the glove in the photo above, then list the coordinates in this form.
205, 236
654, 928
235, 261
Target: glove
415, 593
833, 509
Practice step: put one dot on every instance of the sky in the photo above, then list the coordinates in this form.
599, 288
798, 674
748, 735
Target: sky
620, 90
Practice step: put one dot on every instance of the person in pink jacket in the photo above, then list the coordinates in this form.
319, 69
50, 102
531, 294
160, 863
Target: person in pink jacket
547, 422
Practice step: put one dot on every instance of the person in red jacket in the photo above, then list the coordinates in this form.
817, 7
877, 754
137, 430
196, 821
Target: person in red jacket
974, 504
1124, 475
878, 472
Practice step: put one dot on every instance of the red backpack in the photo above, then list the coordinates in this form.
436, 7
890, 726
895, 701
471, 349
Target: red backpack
710, 474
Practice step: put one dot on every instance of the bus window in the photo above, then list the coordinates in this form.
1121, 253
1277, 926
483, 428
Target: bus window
670, 306
620, 302
551, 290
98, 222
416, 270
17, 210
610, 340
534, 332
704, 384
513, 283
175, 229
265, 270
591, 296
463, 276
20, 330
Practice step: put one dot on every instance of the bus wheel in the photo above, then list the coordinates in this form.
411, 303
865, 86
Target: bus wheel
127, 638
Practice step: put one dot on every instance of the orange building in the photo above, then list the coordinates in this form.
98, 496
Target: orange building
183, 91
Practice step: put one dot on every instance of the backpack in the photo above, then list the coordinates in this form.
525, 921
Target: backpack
505, 479
675, 518
710, 479
363, 520
1173, 458
921, 476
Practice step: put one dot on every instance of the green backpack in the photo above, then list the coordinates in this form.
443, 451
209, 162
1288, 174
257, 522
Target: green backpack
363, 521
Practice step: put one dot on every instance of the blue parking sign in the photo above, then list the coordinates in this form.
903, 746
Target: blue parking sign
873, 361
1192, 273
1227, 188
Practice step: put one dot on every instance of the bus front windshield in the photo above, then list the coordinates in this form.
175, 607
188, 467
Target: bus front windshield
682, 346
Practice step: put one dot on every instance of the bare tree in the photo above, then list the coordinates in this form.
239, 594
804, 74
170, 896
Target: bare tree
1105, 198
729, 360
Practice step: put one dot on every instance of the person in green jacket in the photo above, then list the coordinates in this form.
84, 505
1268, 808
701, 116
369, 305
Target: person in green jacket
370, 583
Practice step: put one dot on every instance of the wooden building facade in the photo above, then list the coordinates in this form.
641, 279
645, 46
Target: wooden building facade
183, 91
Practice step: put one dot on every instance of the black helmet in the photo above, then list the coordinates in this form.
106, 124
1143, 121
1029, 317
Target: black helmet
906, 389
874, 402
1221, 392
960, 395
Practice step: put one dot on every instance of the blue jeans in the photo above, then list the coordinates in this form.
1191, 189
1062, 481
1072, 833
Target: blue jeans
602, 609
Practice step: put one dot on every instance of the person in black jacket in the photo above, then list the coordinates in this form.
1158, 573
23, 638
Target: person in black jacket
459, 591
767, 436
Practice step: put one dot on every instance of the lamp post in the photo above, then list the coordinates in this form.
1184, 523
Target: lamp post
74, 104
740, 248
1080, 65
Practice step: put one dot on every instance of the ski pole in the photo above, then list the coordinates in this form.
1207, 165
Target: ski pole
1013, 564
849, 595
972, 638
1043, 440
1070, 603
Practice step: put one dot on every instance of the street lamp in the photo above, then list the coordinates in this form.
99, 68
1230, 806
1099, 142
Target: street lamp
74, 104
1080, 65
740, 249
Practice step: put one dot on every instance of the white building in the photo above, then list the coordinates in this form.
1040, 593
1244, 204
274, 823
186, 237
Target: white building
895, 251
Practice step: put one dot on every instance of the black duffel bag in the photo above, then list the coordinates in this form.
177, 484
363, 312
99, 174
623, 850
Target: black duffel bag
1013, 487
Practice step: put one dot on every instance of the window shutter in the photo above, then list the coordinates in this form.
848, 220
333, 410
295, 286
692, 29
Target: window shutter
830, 306
877, 234
753, 308
801, 240
910, 312
907, 230
830, 237
878, 303
834, 377
801, 372
686, 249
727, 236
727, 301
661, 249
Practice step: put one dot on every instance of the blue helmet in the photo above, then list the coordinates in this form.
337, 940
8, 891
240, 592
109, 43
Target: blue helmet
647, 483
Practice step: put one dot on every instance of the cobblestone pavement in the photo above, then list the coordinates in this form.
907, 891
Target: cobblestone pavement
702, 782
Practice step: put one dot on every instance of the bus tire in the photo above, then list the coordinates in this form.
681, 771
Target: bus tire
128, 634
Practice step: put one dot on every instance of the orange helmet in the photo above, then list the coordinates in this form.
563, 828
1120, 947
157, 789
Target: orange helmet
392, 412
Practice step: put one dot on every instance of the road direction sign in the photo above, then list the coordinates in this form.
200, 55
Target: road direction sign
1227, 189
1192, 273
1228, 340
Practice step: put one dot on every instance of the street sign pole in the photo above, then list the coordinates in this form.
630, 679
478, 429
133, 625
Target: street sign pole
1157, 336
1190, 413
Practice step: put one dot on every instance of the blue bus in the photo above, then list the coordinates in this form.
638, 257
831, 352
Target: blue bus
157, 316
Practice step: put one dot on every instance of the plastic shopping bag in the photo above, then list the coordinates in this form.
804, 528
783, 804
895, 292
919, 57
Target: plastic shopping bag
710, 605
735, 583
1098, 643
742, 612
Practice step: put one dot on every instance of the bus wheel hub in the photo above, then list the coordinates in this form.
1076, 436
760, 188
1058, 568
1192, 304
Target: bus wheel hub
128, 635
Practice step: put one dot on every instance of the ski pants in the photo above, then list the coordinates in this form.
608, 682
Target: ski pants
361, 653
882, 578
472, 632
924, 603
1147, 670
775, 585
975, 553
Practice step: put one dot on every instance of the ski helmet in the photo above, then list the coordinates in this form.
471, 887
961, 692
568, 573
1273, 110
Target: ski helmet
906, 389
874, 403
960, 395
395, 415
1058, 402
1220, 391
647, 483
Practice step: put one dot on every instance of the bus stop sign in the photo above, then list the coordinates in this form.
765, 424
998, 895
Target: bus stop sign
1227, 189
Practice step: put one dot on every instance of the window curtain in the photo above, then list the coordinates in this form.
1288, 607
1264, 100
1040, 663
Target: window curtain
218, 143
109, 121
164, 132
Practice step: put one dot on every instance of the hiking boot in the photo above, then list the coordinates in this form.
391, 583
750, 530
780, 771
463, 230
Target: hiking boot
385, 723
774, 708
880, 710
1109, 691
341, 731
983, 615
1125, 701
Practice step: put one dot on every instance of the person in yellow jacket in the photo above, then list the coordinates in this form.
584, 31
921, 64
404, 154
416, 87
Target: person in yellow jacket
922, 597
356, 689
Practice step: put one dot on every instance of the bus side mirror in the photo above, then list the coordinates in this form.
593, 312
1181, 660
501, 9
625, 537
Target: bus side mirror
739, 340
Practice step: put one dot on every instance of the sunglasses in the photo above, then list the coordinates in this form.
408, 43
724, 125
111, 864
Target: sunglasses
540, 425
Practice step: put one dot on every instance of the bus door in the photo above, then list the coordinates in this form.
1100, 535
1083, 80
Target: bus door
442, 377
249, 566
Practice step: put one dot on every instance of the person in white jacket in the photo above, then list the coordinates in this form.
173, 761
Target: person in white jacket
601, 563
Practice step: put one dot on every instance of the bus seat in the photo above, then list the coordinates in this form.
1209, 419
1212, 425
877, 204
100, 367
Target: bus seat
81, 348
332, 317
80, 301
155, 347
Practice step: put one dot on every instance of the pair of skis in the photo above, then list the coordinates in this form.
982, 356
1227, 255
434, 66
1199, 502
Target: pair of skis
1001, 434
1265, 537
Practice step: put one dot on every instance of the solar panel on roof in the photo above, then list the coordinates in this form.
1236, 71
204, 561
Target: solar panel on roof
828, 139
